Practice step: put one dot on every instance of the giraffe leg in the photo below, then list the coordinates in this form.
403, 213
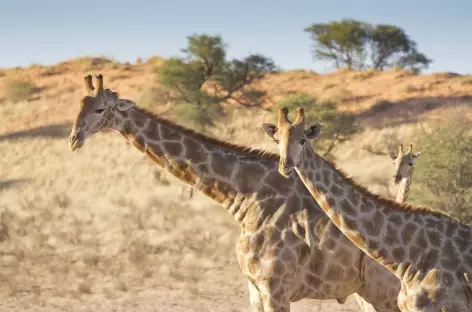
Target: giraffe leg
274, 297
364, 305
255, 298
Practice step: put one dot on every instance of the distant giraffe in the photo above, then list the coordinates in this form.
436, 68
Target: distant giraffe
288, 249
429, 251
404, 168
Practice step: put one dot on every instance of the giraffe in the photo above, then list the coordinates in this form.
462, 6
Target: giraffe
403, 171
288, 249
429, 251
403, 175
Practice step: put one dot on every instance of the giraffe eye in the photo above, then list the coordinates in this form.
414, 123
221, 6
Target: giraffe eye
302, 141
411, 164
100, 110
276, 141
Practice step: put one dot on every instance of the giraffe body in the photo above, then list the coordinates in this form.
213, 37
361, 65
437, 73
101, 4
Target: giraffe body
430, 252
288, 249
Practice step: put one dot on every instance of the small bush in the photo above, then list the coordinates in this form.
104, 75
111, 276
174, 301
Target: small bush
198, 117
444, 178
152, 96
19, 90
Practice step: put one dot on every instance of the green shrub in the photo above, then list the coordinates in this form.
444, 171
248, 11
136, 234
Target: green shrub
443, 178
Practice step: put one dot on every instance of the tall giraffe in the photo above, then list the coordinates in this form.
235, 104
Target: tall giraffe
288, 249
429, 251
404, 169
404, 163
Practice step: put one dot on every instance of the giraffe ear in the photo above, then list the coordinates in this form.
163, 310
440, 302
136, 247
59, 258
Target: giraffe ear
124, 105
416, 156
314, 131
270, 129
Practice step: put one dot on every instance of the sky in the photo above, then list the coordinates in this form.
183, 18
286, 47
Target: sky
49, 31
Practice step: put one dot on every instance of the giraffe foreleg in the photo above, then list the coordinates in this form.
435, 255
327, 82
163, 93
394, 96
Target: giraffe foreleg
274, 295
255, 298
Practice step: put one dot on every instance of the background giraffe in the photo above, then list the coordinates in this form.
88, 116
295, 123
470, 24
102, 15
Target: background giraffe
404, 168
288, 250
429, 251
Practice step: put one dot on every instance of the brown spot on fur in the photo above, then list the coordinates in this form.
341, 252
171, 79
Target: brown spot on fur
317, 177
152, 131
391, 235
173, 148
138, 118
329, 243
336, 190
347, 208
314, 280
395, 219
334, 273
248, 177
366, 205
421, 238
278, 182
194, 151
449, 260
326, 178
398, 254
407, 232
415, 252
169, 134
223, 165
434, 238
203, 169
349, 223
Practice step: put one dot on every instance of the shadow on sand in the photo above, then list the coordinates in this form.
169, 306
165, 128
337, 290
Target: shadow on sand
386, 113
53, 131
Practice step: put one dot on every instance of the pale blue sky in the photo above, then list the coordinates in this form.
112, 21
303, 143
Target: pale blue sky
48, 31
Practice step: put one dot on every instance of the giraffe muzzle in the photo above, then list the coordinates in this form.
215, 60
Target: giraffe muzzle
285, 168
75, 141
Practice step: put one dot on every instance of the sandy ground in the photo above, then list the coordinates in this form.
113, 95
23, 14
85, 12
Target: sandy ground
104, 229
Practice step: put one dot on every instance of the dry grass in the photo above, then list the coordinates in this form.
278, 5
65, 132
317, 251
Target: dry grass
107, 223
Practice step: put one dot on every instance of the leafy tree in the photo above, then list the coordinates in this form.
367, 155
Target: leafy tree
203, 79
443, 179
348, 42
337, 126
340, 41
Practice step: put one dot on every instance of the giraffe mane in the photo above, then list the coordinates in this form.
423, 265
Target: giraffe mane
249, 151
391, 202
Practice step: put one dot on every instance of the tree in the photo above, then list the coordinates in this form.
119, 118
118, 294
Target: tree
348, 42
337, 126
203, 79
444, 177
342, 42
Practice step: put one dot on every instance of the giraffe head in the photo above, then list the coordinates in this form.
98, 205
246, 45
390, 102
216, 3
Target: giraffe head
291, 138
403, 163
97, 111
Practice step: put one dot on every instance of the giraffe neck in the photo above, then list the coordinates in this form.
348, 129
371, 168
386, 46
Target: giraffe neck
394, 236
232, 176
404, 189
